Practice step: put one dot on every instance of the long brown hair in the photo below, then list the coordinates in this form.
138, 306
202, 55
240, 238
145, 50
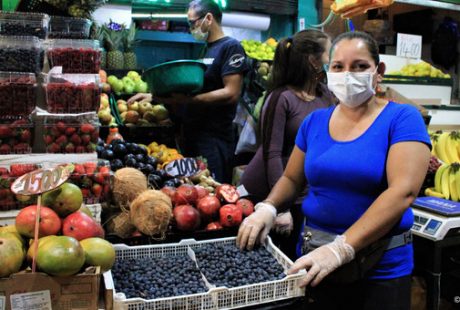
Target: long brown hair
292, 67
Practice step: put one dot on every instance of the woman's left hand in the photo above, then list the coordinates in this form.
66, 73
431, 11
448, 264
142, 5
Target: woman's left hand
323, 260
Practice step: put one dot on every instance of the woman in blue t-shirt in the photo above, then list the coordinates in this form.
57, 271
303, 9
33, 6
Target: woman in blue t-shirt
365, 160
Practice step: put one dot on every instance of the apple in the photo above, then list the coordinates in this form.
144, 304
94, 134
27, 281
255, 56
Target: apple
104, 101
141, 87
144, 106
81, 226
132, 75
122, 107
104, 116
112, 79
133, 106
123, 116
106, 88
118, 86
129, 89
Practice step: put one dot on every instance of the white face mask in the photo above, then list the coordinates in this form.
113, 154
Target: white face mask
198, 34
351, 88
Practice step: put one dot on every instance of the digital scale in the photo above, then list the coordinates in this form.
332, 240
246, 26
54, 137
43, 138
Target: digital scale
435, 218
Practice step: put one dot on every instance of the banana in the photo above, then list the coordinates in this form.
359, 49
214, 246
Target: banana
453, 182
441, 147
434, 140
451, 147
445, 188
457, 180
430, 191
437, 178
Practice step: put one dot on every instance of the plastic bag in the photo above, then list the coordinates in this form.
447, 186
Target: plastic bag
247, 142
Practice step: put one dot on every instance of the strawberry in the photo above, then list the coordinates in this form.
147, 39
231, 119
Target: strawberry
70, 131
80, 149
61, 126
79, 169
54, 132
106, 189
16, 170
21, 148
90, 167
4, 171
75, 139
97, 190
25, 135
85, 192
62, 140
69, 148
85, 139
5, 131
53, 148
87, 128
104, 171
99, 178
5, 149
95, 136
47, 139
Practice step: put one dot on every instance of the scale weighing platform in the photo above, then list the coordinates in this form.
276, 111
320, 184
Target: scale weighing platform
436, 231
435, 218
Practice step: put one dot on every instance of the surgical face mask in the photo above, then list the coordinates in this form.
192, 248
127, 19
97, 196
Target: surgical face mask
351, 88
198, 34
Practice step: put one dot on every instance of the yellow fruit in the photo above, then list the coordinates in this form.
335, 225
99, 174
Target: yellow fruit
430, 191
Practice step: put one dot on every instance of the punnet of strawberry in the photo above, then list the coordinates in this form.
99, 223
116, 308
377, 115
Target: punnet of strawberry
75, 56
8, 174
71, 133
16, 136
72, 93
18, 93
93, 178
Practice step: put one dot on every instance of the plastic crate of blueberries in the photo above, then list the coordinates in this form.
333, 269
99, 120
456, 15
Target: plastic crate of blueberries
24, 24
21, 54
209, 274
69, 28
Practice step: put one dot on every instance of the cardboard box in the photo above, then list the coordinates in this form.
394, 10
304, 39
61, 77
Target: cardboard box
27, 290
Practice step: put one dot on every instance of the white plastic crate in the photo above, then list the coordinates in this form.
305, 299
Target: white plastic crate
215, 298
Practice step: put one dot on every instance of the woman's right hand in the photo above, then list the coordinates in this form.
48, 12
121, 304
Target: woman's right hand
256, 227
140, 97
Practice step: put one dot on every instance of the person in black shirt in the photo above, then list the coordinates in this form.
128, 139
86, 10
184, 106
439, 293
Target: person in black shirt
208, 117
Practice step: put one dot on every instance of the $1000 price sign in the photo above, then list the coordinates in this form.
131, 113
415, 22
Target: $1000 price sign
41, 180
185, 167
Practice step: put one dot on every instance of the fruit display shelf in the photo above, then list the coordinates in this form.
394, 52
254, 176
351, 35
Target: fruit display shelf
261, 285
71, 133
72, 93
75, 56
19, 94
16, 136
24, 24
22, 54
69, 28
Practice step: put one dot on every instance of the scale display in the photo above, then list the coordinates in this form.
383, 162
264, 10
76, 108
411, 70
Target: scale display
434, 218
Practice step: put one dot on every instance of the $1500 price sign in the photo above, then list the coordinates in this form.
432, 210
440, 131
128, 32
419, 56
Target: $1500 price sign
41, 180
185, 167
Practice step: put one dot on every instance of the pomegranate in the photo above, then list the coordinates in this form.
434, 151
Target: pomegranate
214, 226
50, 223
201, 191
228, 193
209, 207
187, 217
246, 205
170, 191
231, 215
185, 194
81, 226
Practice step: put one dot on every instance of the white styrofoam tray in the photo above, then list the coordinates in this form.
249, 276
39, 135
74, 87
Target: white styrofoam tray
215, 298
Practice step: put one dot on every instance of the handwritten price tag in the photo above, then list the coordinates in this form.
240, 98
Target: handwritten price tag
41, 180
185, 167
409, 46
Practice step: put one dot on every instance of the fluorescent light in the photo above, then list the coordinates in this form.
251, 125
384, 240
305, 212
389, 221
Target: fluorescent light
159, 15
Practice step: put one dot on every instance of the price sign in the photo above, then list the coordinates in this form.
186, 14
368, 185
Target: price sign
41, 180
409, 46
185, 167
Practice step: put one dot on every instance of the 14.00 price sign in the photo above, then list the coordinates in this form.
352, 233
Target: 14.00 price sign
409, 46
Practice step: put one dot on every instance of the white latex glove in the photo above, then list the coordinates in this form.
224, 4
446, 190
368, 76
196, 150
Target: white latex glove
256, 227
284, 223
323, 260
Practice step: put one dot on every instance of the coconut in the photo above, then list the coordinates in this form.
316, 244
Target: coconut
121, 225
151, 212
127, 185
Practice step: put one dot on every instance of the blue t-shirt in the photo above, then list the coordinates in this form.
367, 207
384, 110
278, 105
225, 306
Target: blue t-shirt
345, 178
223, 57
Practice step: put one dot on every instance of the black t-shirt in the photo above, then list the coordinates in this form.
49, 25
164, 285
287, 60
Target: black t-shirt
223, 57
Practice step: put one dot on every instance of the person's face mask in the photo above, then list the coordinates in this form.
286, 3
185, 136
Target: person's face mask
198, 34
351, 88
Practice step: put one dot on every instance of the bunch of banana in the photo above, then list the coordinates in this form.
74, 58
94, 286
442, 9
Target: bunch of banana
446, 183
446, 146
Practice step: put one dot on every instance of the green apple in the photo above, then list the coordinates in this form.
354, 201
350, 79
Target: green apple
118, 86
141, 87
133, 106
132, 75
112, 79
129, 89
